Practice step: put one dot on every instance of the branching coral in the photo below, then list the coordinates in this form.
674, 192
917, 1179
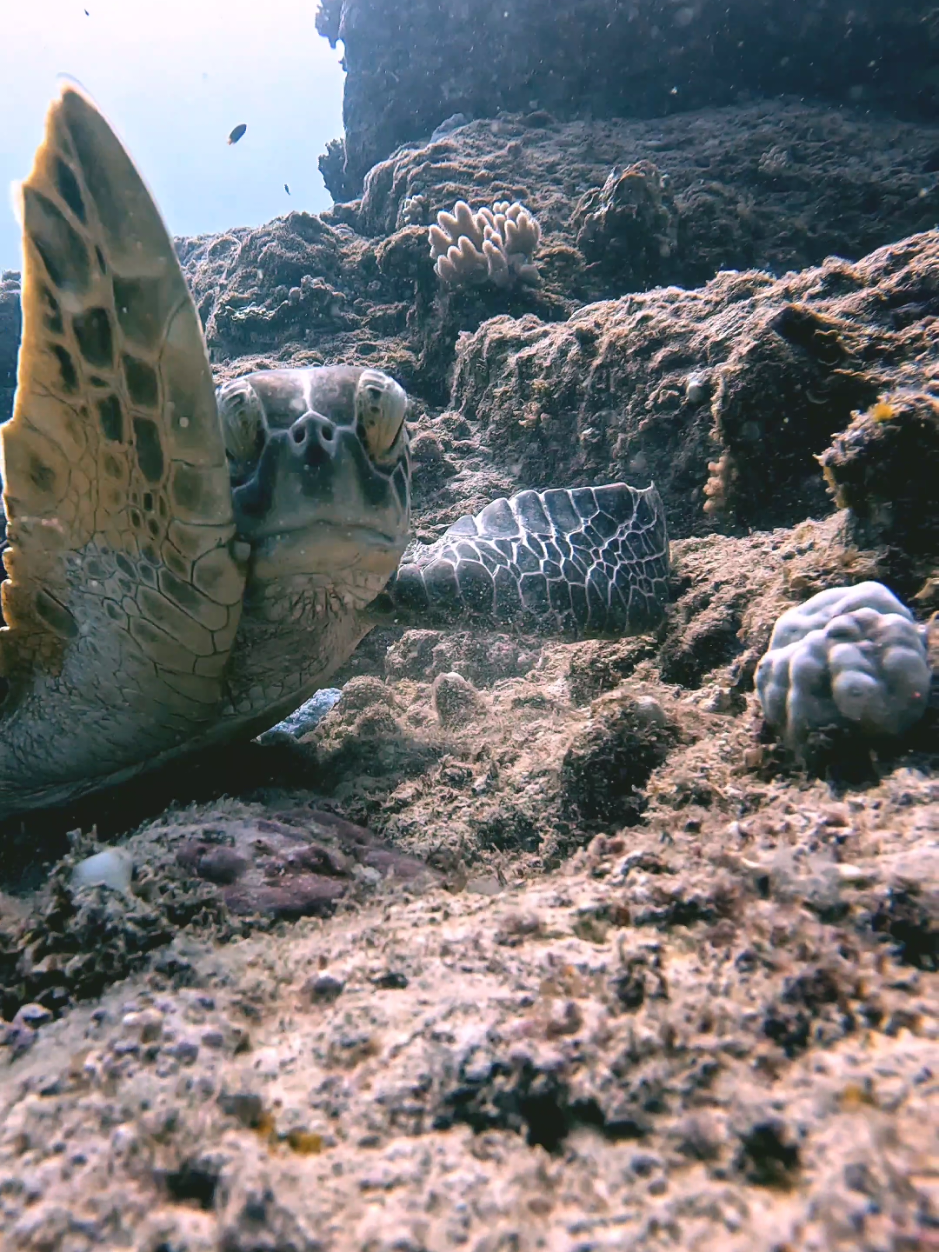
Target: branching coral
491, 245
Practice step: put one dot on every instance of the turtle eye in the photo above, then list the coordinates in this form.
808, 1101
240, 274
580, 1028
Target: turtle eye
243, 425
380, 408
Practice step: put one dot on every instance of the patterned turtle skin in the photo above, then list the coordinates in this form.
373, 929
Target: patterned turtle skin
184, 566
572, 561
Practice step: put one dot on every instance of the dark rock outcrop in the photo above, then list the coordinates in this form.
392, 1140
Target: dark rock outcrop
9, 339
409, 67
773, 186
884, 468
755, 374
629, 205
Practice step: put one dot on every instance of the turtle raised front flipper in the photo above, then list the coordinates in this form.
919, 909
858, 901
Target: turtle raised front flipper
123, 590
578, 561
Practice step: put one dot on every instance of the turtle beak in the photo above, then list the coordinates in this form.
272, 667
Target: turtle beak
380, 407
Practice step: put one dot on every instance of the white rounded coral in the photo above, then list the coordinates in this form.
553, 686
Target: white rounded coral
850, 657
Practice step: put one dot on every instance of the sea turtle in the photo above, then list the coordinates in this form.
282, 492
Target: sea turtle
184, 566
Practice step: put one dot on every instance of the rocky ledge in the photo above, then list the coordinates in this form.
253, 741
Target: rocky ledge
411, 68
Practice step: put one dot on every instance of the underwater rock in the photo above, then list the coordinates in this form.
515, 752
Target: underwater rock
408, 67
9, 339
842, 183
884, 469
775, 186
242, 282
448, 125
285, 871
456, 700
608, 764
629, 226
789, 384
605, 394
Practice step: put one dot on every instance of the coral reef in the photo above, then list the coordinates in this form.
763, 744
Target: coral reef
851, 184
527, 943
494, 245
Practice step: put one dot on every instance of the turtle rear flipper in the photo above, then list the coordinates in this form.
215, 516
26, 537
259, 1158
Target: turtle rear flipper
122, 595
579, 561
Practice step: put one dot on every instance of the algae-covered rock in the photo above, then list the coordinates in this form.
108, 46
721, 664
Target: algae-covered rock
725, 396
884, 469
410, 69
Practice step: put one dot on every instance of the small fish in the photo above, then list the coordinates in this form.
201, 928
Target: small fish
237, 132
287, 189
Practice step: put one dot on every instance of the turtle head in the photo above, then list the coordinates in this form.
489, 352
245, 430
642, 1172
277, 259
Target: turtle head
321, 476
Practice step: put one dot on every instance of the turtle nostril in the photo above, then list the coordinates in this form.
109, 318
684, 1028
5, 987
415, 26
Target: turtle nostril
299, 434
327, 430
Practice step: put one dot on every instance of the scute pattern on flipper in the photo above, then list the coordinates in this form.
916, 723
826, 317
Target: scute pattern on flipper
586, 560
115, 478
